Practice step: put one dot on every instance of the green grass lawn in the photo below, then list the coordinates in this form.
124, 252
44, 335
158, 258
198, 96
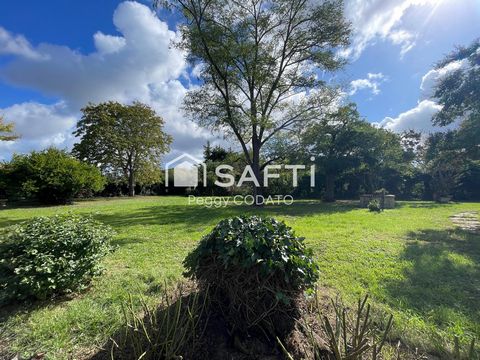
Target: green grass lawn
411, 260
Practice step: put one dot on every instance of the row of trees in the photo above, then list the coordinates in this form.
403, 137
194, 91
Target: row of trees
352, 157
117, 143
260, 85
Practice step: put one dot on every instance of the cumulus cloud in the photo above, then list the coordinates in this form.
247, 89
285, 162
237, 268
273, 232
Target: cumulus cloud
122, 68
16, 45
39, 126
374, 20
138, 64
38, 121
419, 118
430, 79
372, 82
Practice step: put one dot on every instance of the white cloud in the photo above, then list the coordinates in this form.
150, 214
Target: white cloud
122, 69
16, 45
107, 44
419, 118
372, 82
39, 126
430, 79
138, 64
38, 121
381, 20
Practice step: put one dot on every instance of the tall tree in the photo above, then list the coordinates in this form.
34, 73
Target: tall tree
335, 142
127, 141
459, 91
451, 156
6, 131
344, 145
259, 62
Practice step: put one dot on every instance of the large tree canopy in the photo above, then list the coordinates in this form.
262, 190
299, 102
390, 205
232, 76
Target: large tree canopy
452, 159
6, 131
259, 62
459, 91
126, 141
342, 142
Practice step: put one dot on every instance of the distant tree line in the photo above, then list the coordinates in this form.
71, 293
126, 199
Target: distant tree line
120, 146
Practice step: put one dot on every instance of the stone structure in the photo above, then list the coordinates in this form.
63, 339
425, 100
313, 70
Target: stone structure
388, 201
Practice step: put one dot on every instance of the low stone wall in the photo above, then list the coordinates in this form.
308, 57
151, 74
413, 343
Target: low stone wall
389, 202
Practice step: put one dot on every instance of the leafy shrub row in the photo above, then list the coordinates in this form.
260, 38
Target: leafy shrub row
51, 176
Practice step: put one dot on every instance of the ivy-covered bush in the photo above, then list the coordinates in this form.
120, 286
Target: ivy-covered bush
47, 256
254, 269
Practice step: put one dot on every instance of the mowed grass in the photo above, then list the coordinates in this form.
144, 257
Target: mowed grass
411, 260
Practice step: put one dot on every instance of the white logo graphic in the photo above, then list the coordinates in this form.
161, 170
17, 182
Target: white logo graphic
185, 171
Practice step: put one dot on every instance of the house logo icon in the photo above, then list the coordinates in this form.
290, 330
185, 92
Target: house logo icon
185, 171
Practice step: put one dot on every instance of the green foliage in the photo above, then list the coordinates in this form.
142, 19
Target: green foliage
6, 131
253, 70
126, 141
459, 91
450, 157
47, 256
254, 267
374, 206
52, 176
344, 145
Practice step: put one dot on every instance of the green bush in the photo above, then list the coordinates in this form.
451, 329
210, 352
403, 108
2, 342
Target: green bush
52, 176
374, 206
47, 256
254, 268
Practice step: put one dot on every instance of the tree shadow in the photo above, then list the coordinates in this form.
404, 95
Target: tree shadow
195, 215
422, 204
444, 277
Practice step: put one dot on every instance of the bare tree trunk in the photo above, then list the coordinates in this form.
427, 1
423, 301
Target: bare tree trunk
329, 187
257, 190
131, 184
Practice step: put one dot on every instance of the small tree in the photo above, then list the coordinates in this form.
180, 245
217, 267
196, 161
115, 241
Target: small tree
6, 131
259, 62
125, 141
52, 176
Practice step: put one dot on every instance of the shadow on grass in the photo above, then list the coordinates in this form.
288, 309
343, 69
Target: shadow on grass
444, 278
194, 215
197, 215
422, 204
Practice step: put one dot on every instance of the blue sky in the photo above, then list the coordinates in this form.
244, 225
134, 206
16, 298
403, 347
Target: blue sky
57, 55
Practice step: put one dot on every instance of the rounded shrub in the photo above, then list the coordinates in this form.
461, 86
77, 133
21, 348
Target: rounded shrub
47, 256
51, 176
254, 268
374, 206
